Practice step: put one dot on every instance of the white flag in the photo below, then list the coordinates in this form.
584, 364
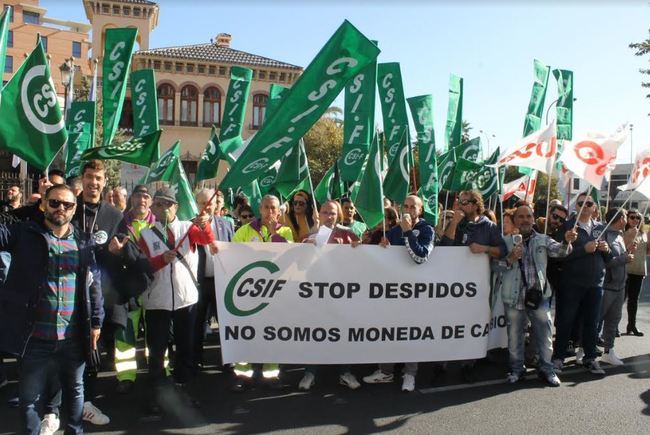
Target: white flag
640, 176
535, 151
592, 156
522, 188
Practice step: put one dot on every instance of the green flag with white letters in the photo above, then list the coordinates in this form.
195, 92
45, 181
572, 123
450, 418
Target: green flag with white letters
396, 130
330, 186
469, 150
358, 121
115, 68
294, 171
81, 134
533, 121
446, 164
370, 197
564, 108
141, 150
31, 125
465, 172
144, 100
163, 168
276, 94
209, 162
454, 126
422, 114
486, 180
343, 57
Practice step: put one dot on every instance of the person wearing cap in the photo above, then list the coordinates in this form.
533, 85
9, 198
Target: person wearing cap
172, 296
137, 217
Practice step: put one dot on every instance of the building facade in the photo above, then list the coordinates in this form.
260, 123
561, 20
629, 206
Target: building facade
192, 80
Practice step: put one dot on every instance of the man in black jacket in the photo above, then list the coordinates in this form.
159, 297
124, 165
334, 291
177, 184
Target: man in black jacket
52, 308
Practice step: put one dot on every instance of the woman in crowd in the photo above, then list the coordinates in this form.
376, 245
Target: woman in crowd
635, 235
246, 215
300, 217
373, 237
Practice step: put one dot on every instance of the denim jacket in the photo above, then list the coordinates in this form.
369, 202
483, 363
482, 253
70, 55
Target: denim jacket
542, 247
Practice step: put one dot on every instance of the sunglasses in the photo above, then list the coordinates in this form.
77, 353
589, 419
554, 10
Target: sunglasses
55, 203
298, 202
636, 218
163, 204
467, 201
587, 204
558, 217
246, 216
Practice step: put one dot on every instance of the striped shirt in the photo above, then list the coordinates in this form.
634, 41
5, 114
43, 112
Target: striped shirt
55, 315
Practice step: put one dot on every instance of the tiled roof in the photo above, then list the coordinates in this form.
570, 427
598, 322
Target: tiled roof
140, 2
212, 52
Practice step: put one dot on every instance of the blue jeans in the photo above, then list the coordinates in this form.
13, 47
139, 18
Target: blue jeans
43, 361
578, 300
541, 323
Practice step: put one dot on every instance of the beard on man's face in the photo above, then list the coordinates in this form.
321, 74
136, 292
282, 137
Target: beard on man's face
57, 218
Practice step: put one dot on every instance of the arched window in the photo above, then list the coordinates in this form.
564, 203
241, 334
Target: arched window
211, 107
166, 96
189, 104
259, 109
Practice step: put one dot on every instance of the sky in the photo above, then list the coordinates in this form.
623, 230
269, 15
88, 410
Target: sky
490, 44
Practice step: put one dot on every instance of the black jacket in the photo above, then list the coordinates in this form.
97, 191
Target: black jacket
27, 282
579, 268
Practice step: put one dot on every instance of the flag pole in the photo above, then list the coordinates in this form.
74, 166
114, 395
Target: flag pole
618, 210
548, 192
498, 198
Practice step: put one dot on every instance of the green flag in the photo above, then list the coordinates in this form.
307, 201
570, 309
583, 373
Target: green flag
117, 63
359, 121
370, 197
330, 186
533, 120
163, 168
469, 150
486, 180
81, 134
446, 164
564, 107
343, 56
395, 120
144, 101
454, 126
232, 124
294, 171
5, 18
422, 114
267, 181
137, 150
276, 94
465, 172
209, 162
32, 125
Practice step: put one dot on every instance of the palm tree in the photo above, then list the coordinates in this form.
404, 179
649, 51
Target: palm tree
466, 129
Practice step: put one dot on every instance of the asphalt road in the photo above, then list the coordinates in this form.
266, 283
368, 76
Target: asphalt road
618, 403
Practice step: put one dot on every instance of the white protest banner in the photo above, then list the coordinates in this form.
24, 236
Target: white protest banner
640, 176
298, 303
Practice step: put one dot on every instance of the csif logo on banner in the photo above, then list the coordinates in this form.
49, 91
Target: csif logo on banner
38, 98
248, 296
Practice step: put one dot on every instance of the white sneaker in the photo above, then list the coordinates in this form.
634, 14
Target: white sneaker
349, 380
378, 377
408, 383
94, 415
50, 424
580, 353
307, 381
611, 358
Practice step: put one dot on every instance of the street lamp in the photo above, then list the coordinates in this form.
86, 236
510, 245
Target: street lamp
67, 74
631, 145
487, 138
553, 104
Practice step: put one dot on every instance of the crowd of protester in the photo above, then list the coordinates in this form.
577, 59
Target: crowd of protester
88, 271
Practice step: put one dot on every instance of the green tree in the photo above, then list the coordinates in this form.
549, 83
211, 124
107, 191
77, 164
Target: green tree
466, 129
323, 144
643, 48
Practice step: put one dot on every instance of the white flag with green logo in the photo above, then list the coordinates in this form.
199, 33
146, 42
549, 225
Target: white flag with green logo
31, 124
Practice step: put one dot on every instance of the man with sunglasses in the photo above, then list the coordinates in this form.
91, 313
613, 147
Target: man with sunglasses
581, 285
170, 300
52, 308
